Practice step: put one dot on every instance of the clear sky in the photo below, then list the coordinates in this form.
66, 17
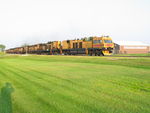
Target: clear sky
34, 21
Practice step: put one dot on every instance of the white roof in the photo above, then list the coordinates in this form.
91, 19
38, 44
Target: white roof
131, 43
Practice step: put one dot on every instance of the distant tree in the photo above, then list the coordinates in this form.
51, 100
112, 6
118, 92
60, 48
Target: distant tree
84, 39
90, 38
2, 47
25, 45
49, 42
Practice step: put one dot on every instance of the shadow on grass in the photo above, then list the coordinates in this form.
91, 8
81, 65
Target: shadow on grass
5, 98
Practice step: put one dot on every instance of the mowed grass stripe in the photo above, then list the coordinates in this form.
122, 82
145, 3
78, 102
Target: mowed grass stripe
67, 99
127, 83
25, 84
73, 86
32, 84
129, 62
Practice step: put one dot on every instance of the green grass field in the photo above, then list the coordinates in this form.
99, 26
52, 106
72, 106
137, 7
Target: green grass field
2, 53
75, 84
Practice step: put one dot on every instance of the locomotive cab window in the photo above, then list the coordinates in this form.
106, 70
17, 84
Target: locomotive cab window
107, 41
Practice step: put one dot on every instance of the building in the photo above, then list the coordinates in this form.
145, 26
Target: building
131, 47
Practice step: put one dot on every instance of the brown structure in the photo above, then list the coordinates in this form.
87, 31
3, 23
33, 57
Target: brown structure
131, 47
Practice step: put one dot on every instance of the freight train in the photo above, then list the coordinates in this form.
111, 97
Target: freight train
86, 46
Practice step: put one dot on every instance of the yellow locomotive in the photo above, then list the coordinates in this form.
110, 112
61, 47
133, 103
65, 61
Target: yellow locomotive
87, 46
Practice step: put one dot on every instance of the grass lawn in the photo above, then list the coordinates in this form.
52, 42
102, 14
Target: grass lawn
75, 84
2, 54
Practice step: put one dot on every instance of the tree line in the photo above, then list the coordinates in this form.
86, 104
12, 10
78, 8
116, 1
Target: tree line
2, 47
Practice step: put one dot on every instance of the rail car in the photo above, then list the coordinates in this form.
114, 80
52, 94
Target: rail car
87, 46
